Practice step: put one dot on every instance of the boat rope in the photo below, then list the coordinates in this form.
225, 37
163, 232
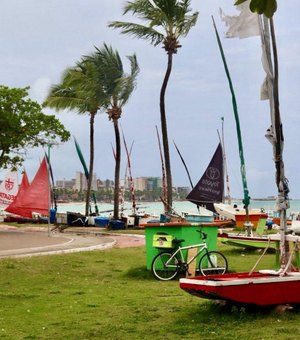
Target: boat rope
287, 266
261, 256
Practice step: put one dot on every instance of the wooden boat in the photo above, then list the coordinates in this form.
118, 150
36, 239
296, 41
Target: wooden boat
249, 242
262, 288
238, 214
76, 219
257, 240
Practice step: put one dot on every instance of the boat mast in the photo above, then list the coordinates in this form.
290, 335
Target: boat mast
87, 174
130, 175
226, 176
246, 200
274, 133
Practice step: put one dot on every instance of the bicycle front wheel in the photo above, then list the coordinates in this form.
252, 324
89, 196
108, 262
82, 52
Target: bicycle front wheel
163, 267
213, 262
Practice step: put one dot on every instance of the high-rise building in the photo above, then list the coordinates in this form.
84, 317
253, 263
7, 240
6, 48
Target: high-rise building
140, 183
81, 182
147, 183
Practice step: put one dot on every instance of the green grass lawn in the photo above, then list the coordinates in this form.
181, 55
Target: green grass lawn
110, 295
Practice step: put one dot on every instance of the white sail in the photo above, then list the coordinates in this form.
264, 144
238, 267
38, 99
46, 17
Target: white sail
8, 189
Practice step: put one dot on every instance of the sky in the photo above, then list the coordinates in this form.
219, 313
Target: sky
39, 39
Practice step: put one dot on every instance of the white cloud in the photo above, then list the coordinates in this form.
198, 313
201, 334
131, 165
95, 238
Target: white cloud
40, 89
39, 39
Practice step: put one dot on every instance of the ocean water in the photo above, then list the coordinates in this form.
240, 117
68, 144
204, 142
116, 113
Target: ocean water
156, 208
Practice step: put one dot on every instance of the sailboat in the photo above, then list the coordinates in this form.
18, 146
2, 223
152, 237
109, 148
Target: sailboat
264, 287
208, 190
32, 200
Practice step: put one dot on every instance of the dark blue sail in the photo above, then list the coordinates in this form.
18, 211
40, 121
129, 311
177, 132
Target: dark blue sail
210, 188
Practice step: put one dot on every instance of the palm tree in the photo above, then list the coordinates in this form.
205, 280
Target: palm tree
81, 90
166, 21
117, 87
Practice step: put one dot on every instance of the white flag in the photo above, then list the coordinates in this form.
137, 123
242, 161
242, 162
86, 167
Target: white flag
241, 26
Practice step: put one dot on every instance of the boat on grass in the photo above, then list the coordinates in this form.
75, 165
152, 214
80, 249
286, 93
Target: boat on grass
262, 288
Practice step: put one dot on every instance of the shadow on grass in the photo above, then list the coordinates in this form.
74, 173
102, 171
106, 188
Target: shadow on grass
227, 310
140, 273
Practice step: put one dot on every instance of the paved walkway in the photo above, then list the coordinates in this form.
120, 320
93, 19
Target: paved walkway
32, 241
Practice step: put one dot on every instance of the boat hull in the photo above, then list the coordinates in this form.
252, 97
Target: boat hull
238, 214
259, 288
271, 241
240, 219
259, 242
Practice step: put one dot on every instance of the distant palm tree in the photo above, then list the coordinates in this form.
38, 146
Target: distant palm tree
117, 87
80, 90
167, 21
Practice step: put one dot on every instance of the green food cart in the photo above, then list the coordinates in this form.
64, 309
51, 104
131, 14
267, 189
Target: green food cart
159, 236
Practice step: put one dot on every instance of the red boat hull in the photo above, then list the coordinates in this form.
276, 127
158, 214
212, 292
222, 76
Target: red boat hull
240, 219
258, 288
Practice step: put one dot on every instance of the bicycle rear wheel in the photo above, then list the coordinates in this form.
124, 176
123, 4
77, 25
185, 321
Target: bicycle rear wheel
162, 271
213, 262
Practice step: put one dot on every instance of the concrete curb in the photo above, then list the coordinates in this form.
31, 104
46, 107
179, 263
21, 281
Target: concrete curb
60, 251
78, 240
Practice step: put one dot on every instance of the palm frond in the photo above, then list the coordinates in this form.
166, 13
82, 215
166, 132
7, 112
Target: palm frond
170, 15
138, 31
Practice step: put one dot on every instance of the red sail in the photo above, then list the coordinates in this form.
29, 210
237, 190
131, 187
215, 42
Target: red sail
33, 198
24, 184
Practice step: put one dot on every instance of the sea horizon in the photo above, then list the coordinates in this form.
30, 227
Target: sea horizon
156, 208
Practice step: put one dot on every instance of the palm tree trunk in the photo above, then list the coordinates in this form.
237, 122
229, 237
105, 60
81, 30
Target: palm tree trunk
91, 166
117, 168
164, 132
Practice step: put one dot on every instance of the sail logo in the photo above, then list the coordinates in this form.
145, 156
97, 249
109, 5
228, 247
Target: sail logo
212, 173
9, 184
6, 197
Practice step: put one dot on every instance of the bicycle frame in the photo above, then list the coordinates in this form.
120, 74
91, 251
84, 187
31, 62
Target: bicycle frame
202, 246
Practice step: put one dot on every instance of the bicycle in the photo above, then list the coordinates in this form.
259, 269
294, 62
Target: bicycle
166, 265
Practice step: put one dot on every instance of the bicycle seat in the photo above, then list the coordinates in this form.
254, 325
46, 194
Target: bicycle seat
178, 241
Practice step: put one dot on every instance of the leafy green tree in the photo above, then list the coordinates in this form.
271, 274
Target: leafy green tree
80, 90
166, 22
117, 87
266, 7
23, 125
